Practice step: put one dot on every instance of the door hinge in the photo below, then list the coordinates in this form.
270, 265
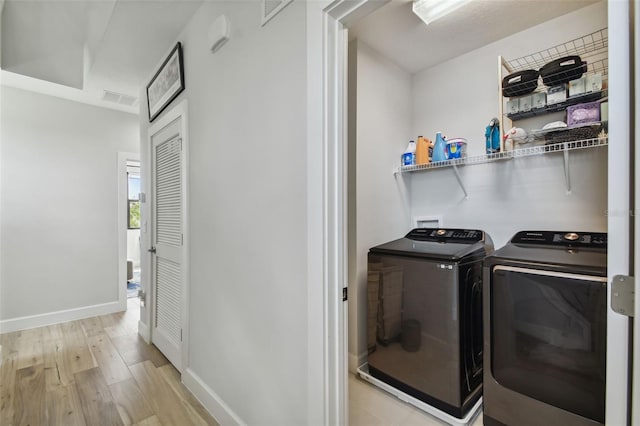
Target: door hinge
344, 294
181, 335
181, 239
623, 292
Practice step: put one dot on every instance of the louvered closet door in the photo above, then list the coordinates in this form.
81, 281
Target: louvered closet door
167, 239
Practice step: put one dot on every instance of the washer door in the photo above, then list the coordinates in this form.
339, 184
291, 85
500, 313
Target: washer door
548, 334
471, 325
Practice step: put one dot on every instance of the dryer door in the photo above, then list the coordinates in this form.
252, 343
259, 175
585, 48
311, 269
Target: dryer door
548, 334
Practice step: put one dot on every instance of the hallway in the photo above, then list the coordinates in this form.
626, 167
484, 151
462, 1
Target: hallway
95, 371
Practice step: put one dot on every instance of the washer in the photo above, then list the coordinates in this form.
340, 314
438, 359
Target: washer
425, 318
545, 319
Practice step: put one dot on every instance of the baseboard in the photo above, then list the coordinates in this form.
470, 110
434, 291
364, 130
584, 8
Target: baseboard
210, 400
353, 363
41, 320
143, 331
356, 361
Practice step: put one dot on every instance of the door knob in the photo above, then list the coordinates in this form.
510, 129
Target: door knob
152, 250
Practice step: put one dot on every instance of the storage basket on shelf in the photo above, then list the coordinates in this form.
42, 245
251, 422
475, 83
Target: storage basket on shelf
574, 134
563, 70
584, 113
519, 83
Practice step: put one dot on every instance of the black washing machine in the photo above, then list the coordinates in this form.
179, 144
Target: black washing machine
545, 323
425, 316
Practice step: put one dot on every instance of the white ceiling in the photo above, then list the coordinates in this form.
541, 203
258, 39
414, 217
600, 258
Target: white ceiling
397, 33
84, 47
79, 48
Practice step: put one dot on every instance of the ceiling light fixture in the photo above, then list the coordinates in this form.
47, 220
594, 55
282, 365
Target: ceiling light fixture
430, 10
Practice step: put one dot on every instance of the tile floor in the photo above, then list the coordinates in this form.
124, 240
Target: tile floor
371, 406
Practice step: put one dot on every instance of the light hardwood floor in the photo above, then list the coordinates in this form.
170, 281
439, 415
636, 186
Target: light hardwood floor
95, 371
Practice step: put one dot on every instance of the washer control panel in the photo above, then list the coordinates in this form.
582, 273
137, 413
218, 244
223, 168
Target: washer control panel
446, 235
567, 238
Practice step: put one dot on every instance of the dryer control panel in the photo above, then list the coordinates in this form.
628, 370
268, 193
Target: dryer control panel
446, 235
558, 238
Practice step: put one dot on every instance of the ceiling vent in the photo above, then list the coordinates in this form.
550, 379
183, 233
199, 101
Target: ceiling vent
271, 8
119, 98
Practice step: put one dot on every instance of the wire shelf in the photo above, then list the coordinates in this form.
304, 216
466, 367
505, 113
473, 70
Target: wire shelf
508, 155
592, 49
593, 52
593, 46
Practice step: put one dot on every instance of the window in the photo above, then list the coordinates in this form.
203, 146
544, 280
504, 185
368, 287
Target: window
133, 210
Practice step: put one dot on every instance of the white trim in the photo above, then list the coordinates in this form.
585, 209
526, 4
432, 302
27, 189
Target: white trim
635, 404
41, 320
356, 361
179, 111
333, 178
316, 284
186, 232
143, 331
123, 197
618, 220
220, 411
334, 223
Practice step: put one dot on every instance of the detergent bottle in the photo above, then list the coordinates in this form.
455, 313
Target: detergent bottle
440, 148
422, 150
409, 155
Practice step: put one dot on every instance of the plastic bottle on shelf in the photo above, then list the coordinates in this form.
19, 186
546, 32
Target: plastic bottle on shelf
440, 149
431, 145
423, 156
492, 136
409, 155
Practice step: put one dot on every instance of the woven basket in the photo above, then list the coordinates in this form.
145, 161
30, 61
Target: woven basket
576, 134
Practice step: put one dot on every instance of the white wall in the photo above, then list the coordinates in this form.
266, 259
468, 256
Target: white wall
247, 179
379, 209
459, 97
59, 202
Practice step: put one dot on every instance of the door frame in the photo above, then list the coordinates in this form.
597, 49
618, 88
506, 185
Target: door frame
328, 140
336, 17
123, 200
635, 403
179, 111
619, 250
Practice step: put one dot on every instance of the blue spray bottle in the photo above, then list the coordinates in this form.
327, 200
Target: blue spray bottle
492, 135
440, 149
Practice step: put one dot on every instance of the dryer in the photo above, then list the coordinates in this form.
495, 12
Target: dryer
545, 322
425, 318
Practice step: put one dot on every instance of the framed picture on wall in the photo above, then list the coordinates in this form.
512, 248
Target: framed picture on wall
167, 83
